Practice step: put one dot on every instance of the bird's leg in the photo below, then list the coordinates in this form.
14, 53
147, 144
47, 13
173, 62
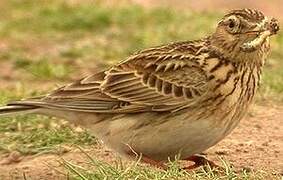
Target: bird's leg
152, 162
199, 160
159, 164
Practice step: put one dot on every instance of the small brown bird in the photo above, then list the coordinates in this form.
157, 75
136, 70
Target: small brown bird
176, 99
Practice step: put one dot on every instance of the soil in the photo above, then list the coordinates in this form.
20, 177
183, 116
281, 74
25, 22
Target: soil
256, 144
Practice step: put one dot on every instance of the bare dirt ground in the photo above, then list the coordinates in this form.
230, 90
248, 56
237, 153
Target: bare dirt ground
256, 144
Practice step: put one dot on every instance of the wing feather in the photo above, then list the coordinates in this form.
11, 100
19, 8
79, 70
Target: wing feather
159, 79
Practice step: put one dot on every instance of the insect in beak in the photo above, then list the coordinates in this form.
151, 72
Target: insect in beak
273, 26
270, 28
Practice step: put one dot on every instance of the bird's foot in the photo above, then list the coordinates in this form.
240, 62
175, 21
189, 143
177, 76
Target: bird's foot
145, 159
152, 162
200, 160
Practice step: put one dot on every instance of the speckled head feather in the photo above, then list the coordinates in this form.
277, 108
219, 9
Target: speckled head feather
251, 15
243, 33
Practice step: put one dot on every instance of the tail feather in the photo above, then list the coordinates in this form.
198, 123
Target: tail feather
17, 109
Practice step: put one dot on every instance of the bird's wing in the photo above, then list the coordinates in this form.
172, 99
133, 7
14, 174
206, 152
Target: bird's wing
164, 78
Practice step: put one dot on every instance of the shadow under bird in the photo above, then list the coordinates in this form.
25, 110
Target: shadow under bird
175, 99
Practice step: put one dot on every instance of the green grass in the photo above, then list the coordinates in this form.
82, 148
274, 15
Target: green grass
43, 69
54, 40
103, 170
37, 134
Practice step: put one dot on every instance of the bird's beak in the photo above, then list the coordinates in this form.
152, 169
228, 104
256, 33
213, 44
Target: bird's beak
263, 30
272, 26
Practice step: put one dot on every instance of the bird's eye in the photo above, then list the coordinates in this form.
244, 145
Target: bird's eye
231, 24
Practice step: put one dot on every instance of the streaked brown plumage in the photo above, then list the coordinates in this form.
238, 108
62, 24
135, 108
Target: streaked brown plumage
180, 98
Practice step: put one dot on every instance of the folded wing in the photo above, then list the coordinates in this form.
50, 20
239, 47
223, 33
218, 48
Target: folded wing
152, 80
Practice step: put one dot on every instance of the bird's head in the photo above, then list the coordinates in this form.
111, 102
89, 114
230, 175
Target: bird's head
244, 31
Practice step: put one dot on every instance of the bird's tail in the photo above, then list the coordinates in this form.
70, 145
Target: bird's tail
10, 110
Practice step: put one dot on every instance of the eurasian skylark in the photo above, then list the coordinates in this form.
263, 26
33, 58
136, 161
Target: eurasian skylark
176, 99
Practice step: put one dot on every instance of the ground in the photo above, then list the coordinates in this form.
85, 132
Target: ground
42, 44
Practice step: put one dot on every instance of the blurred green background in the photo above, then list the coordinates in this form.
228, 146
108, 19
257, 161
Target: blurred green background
43, 43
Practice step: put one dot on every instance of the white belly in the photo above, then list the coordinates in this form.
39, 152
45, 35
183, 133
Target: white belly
160, 136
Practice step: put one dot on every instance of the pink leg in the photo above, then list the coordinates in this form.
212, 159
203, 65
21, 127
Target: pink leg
146, 159
199, 161
157, 164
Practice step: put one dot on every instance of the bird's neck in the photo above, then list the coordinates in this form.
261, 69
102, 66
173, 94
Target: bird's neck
232, 52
